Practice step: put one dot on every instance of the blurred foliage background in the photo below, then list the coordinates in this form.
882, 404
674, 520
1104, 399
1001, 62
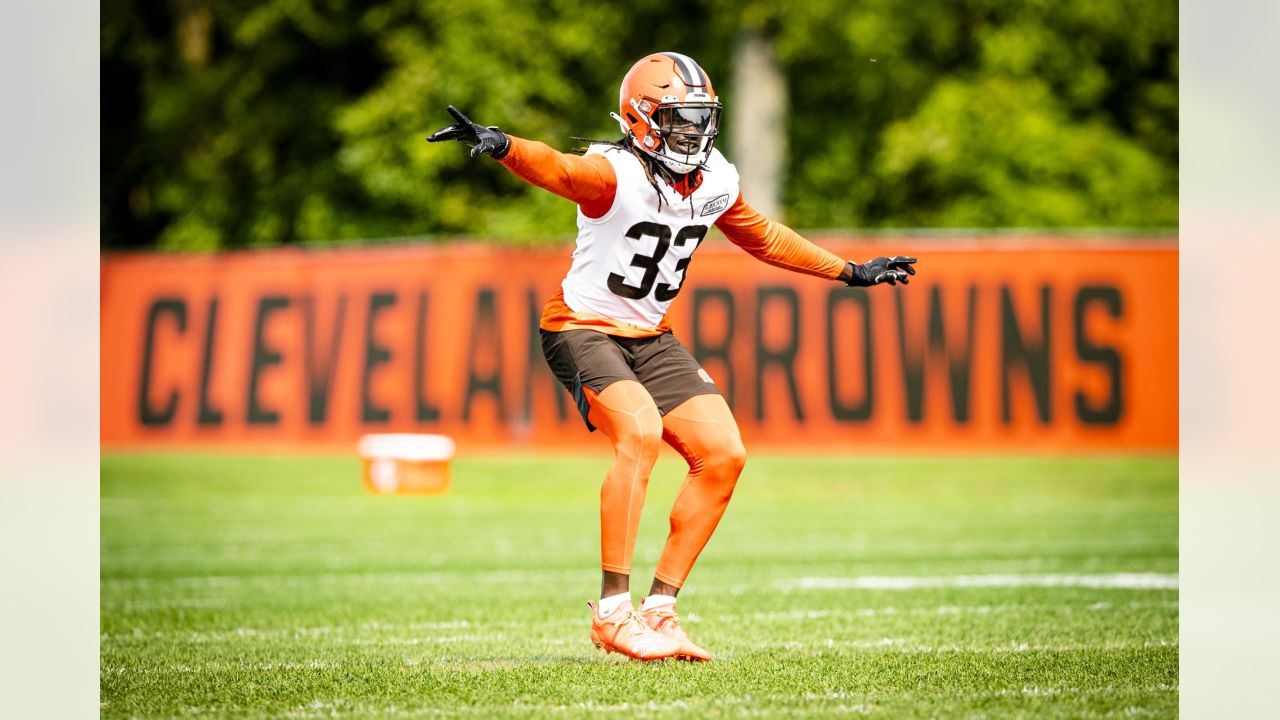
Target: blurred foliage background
259, 122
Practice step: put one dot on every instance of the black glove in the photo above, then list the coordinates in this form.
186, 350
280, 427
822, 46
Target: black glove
483, 140
892, 270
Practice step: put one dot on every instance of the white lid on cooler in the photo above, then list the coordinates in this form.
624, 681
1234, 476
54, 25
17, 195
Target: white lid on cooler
406, 446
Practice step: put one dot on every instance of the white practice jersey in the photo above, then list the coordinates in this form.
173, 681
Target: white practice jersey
630, 263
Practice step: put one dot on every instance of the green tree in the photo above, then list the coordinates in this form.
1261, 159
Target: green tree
238, 123
225, 149
927, 113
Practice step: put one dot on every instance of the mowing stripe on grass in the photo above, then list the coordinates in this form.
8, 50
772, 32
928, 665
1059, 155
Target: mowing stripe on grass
1125, 581
814, 614
909, 646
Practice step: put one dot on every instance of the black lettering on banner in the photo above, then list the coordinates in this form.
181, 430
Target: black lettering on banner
857, 411
208, 414
486, 333
426, 411
263, 357
536, 364
959, 360
1017, 350
704, 350
374, 355
320, 370
1109, 411
147, 414
666, 293
785, 356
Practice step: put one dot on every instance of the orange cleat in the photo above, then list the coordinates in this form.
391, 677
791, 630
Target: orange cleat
663, 620
624, 633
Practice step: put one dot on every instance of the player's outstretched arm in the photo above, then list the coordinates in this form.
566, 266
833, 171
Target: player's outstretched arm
779, 245
588, 181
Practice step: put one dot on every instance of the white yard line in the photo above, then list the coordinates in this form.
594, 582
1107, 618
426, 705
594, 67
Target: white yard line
343, 579
819, 614
905, 645
1134, 581
1126, 581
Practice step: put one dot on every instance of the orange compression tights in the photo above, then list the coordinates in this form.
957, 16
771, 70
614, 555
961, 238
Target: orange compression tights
703, 431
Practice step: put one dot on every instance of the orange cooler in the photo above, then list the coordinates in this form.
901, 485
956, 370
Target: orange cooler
406, 463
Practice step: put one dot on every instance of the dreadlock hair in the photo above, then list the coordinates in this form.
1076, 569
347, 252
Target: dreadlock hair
652, 168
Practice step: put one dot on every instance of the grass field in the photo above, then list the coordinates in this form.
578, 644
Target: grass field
275, 587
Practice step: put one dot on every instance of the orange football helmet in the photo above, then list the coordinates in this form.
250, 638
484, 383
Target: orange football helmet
669, 110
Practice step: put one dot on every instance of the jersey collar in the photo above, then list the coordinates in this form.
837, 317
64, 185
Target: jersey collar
686, 185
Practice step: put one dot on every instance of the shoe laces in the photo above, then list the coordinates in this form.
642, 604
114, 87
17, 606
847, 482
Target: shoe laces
666, 615
633, 625
630, 621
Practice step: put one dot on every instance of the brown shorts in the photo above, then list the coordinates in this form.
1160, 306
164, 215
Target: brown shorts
590, 359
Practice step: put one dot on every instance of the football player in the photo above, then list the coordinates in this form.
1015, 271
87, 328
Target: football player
645, 203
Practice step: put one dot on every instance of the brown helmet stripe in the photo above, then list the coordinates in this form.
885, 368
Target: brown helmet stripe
690, 72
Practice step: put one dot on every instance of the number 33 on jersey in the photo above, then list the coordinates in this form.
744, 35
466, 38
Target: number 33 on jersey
631, 262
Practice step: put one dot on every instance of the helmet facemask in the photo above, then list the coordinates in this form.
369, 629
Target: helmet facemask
682, 133
688, 131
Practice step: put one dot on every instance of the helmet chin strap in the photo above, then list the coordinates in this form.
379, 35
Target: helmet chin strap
676, 166
691, 162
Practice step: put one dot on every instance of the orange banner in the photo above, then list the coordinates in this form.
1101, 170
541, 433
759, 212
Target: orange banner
1018, 344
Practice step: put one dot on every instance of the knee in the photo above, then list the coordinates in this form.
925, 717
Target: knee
734, 458
643, 439
649, 438
727, 459
730, 458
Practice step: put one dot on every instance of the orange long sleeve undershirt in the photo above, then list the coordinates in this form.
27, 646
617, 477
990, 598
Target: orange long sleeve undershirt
591, 182
587, 180
776, 243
